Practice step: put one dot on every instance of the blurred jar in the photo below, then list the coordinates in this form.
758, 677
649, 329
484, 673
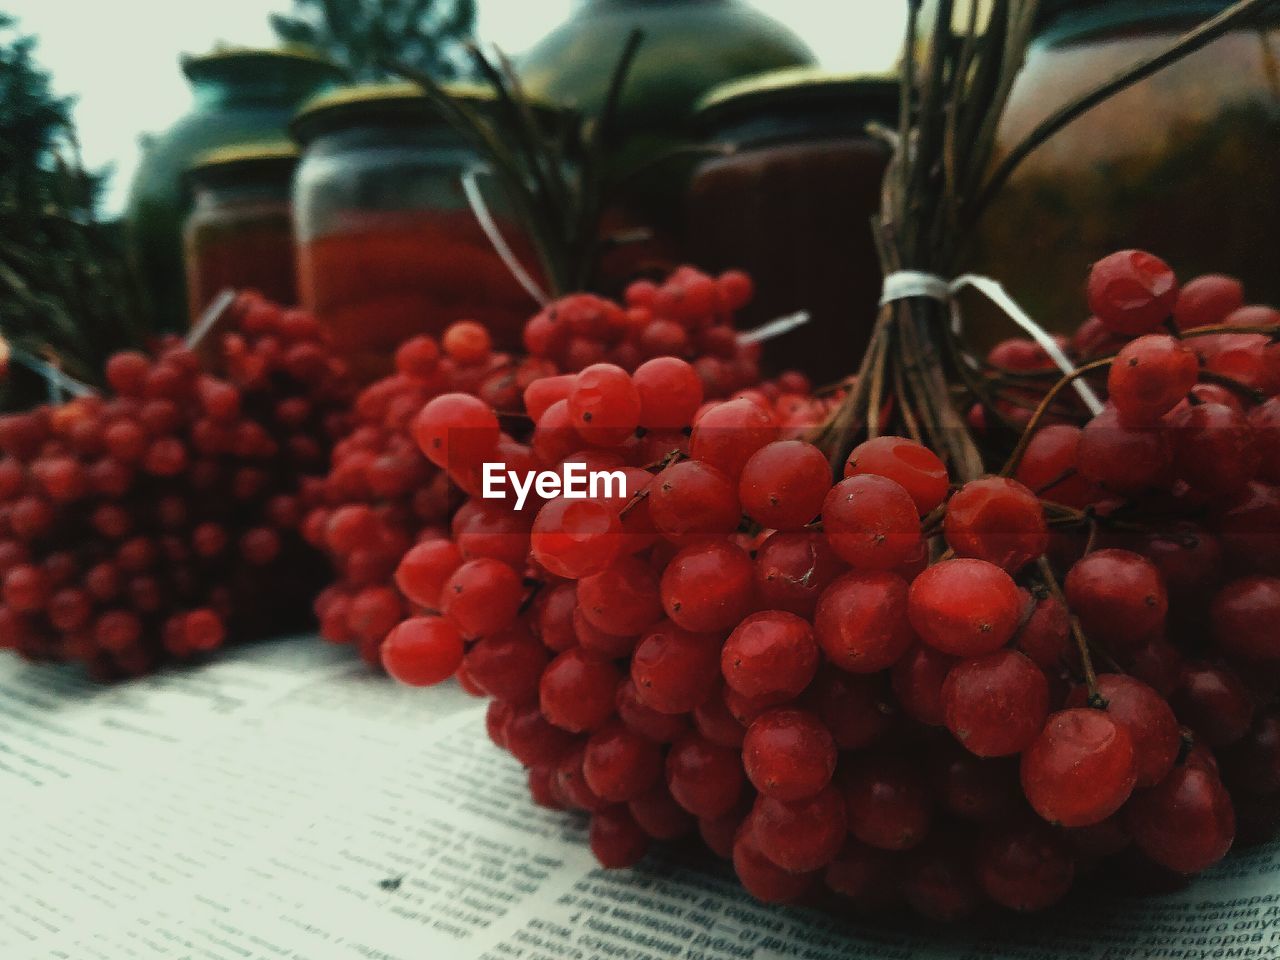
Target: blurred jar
793, 204
388, 245
1182, 164
239, 234
689, 47
240, 96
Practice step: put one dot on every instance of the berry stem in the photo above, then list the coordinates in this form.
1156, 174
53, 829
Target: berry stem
1015, 458
1082, 643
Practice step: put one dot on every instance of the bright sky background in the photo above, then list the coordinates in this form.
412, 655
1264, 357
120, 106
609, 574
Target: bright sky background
119, 57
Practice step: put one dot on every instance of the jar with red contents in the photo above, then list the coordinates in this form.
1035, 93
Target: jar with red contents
792, 205
239, 234
1182, 163
388, 244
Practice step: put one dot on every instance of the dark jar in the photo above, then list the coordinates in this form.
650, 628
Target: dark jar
239, 96
1182, 164
239, 234
792, 205
388, 244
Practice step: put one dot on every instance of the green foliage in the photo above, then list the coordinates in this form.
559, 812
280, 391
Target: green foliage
427, 35
65, 293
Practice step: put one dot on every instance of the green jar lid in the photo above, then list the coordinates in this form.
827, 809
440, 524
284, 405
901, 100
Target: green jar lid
229, 59
273, 160
397, 102
796, 87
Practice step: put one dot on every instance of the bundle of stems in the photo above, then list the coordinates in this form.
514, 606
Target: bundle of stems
550, 165
944, 173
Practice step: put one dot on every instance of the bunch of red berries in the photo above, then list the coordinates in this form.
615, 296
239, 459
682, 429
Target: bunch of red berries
148, 525
889, 686
383, 496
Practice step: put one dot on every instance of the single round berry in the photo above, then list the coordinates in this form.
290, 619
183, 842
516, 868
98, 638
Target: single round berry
912, 465
1080, 770
887, 801
1132, 292
675, 670
1119, 597
772, 653
964, 607
871, 522
995, 705
616, 839
1246, 619
604, 405
620, 765
783, 484
456, 430
1025, 866
1149, 376
802, 835
997, 520
789, 754
708, 587
705, 778
422, 651
1185, 823
861, 621
670, 393
577, 689
1146, 717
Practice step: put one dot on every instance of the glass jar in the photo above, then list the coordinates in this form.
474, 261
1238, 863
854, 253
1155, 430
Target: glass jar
239, 96
688, 47
388, 245
239, 234
792, 206
1182, 164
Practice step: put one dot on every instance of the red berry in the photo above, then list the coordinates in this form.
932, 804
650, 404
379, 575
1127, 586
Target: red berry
871, 523
802, 835
708, 587
1185, 823
422, 651
1118, 596
704, 778
456, 429
1146, 717
1246, 619
789, 754
997, 520
616, 839
482, 597
861, 621
1080, 770
783, 484
577, 690
995, 705
1149, 376
670, 393
964, 607
620, 765
1132, 292
770, 654
887, 801
604, 405
675, 670
1025, 866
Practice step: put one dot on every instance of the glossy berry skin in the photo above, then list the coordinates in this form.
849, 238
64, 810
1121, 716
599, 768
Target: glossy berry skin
507, 666
670, 393
997, 520
1213, 701
917, 683
861, 621
422, 651
1119, 597
792, 570
703, 777
1146, 717
772, 653
995, 705
964, 607
604, 405
456, 429
660, 816
1025, 866
1207, 300
675, 670
1216, 450
623, 599
1185, 823
1132, 292
1045, 636
788, 754
691, 501
1149, 376
783, 484
577, 689
801, 836
887, 802
422, 571
912, 465
708, 587
728, 434
1246, 619
871, 523
620, 765
1050, 468
1080, 770
616, 840
482, 597
575, 538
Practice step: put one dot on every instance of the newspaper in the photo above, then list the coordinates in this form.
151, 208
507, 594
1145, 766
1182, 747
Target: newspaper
284, 803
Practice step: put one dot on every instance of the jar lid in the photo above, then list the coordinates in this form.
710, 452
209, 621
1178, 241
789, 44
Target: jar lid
796, 87
198, 66
396, 102
274, 160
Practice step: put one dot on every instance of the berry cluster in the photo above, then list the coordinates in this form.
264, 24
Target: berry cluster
886, 684
383, 496
149, 524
